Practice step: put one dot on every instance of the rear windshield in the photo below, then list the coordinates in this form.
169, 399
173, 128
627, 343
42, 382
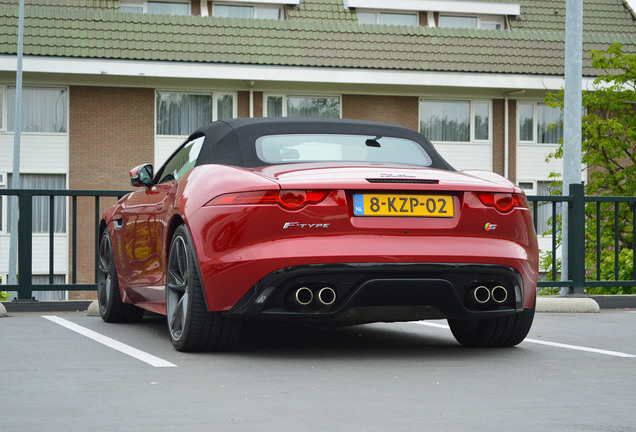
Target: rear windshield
277, 149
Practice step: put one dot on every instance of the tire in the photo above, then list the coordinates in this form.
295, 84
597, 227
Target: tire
191, 326
111, 307
493, 332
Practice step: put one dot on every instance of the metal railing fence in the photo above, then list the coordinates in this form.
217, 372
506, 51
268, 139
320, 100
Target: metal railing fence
25, 286
595, 231
578, 277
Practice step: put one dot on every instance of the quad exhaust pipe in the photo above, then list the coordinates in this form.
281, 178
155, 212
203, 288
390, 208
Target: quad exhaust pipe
326, 296
499, 294
303, 296
307, 299
482, 295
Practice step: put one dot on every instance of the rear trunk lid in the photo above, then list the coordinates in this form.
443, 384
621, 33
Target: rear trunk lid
351, 176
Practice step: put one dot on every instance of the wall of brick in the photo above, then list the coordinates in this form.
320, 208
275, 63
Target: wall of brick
512, 140
243, 101
111, 130
402, 110
243, 104
498, 136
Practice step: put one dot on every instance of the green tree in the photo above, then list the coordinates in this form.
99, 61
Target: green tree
3, 295
609, 152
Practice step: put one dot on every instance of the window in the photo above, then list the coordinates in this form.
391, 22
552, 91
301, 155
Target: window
156, 7
471, 22
390, 18
2, 108
455, 121
302, 106
183, 161
248, 11
41, 204
339, 148
457, 21
48, 295
540, 123
183, 113
43, 110
544, 209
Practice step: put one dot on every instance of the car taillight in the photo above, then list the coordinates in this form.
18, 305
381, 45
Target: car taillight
288, 199
504, 202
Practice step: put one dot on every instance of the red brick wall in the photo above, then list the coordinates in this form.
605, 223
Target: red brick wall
423, 19
243, 104
512, 140
258, 104
243, 101
498, 136
402, 110
111, 130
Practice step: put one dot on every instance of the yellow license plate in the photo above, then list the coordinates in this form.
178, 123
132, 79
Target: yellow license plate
371, 204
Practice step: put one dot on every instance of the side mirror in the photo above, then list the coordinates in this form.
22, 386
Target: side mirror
141, 175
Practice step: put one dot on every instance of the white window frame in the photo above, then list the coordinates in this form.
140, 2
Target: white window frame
286, 95
255, 5
5, 114
535, 135
528, 191
472, 118
480, 19
258, 2
447, 6
144, 4
3, 200
377, 13
215, 108
491, 20
213, 95
3, 108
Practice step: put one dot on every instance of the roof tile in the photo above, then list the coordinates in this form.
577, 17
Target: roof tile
307, 39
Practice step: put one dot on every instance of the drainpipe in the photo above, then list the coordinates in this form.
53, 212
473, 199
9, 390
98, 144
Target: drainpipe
251, 99
507, 127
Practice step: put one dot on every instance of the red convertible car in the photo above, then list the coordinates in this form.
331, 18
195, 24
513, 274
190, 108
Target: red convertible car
327, 222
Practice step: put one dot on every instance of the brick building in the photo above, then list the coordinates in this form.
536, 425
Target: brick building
111, 84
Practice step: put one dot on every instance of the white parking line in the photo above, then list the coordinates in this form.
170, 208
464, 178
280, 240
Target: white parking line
580, 348
111, 343
541, 342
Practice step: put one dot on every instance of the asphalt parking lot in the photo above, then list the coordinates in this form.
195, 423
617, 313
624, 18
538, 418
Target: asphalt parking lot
66, 371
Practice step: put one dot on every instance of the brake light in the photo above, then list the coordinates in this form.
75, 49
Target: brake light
504, 202
288, 199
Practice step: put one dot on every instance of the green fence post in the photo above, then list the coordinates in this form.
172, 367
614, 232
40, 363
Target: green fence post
576, 239
25, 240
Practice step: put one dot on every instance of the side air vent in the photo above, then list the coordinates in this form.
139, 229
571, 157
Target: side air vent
402, 180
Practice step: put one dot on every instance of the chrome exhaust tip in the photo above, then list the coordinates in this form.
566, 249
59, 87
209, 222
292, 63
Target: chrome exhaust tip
481, 294
326, 296
303, 296
499, 294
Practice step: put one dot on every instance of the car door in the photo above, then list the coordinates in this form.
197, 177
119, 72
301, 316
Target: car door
144, 219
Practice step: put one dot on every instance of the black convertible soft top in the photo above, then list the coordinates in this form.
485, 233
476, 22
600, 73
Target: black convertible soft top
232, 142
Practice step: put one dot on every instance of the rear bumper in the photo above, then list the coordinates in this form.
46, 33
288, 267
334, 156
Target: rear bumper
370, 292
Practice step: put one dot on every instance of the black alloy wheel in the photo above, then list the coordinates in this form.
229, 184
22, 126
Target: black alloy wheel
192, 327
111, 306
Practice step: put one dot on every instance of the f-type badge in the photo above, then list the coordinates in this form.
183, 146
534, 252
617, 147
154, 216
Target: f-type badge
302, 225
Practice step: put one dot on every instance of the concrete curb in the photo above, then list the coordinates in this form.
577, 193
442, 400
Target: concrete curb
93, 309
3, 311
46, 306
567, 305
